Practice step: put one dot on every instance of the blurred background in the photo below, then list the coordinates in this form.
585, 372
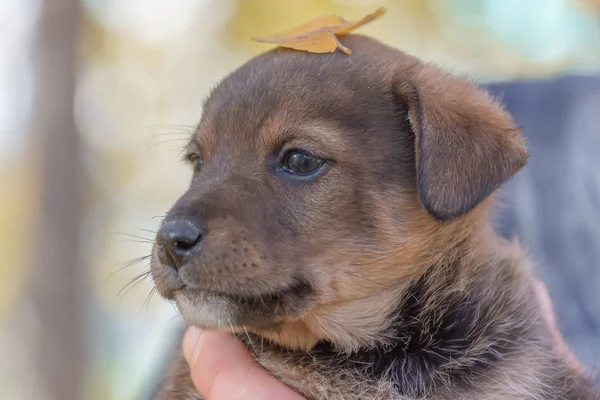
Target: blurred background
98, 96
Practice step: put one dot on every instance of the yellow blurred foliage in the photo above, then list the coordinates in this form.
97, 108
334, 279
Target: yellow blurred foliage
16, 235
424, 28
254, 18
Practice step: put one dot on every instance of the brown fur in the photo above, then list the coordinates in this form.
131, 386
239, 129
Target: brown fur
388, 280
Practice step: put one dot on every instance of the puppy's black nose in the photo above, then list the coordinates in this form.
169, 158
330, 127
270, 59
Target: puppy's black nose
176, 239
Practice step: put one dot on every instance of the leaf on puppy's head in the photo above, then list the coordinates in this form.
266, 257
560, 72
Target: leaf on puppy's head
320, 35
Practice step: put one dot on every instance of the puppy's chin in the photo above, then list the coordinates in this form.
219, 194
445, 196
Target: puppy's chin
215, 311
205, 311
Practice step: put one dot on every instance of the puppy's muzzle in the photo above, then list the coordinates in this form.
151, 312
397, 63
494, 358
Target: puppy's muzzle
177, 239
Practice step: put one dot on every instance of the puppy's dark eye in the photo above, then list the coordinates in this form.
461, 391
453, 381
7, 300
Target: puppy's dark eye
196, 160
302, 163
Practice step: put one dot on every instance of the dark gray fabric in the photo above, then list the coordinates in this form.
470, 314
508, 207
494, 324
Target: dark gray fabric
553, 204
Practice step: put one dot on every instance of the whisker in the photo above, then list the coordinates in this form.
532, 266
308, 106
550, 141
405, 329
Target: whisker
135, 241
197, 340
167, 141
134, 283
134, 260
177, 132
133, 236
146, 230
148, 298
127, 264
175, 316
249, 340
174, 126
232, 329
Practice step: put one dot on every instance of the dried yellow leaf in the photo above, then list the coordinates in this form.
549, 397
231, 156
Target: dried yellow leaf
319, 35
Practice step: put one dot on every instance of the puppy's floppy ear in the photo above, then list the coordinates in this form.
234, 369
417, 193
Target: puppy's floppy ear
466, 145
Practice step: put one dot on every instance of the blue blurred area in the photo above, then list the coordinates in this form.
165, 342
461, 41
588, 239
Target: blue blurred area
553, 204
540, 30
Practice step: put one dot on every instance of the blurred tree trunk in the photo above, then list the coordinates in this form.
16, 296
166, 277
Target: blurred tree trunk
57, 276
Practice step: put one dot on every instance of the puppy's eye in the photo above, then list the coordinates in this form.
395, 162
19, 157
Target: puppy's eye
302, 163
196, 160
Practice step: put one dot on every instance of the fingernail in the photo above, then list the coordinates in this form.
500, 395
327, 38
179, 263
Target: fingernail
192, 342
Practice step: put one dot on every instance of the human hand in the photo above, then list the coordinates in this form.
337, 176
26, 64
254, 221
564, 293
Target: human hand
548, 314
223, 369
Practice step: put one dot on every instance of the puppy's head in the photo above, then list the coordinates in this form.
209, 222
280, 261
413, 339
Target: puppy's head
321, 184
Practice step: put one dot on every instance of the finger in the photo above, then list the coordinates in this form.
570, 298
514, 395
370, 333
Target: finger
223, 369
548, 315
545, 303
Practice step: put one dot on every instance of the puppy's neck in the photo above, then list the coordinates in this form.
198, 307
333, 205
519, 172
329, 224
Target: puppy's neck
454, 321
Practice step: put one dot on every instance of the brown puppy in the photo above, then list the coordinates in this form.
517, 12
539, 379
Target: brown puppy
337, 220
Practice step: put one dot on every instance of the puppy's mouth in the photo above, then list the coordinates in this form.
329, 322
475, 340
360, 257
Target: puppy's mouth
213, 310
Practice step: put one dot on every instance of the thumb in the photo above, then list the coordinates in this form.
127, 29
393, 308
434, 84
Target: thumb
223, 369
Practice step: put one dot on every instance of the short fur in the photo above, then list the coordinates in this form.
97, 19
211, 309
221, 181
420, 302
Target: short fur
380, 278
